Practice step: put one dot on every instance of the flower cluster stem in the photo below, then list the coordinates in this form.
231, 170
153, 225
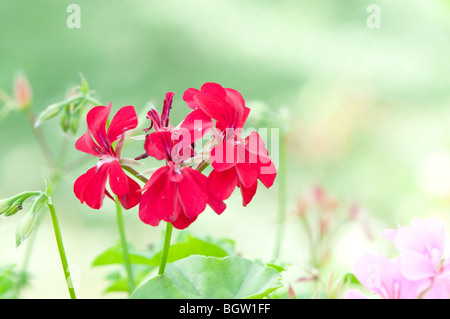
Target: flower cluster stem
126, 256
165, 252
62, 253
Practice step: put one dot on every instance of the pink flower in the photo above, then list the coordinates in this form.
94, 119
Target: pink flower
422, 249
98, 141
419, 271
237, 162
383, 277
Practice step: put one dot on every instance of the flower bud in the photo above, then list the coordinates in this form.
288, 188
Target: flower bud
14, 208
74, 122
25, 227
50, 112
65, 120
28, 222
22, 92
10, 206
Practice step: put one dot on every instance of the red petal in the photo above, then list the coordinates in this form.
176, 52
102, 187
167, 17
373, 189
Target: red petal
146, 209
157, 202
222, 184
246, 174
188, 97
81, 182
96, 122
257, 156
124, 120
182, 221
211, 100
195, 125
90, 187
226, 106
87, 145
225, 156
268, 178
118, 180
192, 192
159, 144
217, 205
133, 196
236, 101
248, 193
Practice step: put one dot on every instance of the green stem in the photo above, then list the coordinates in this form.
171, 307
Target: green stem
135, 173
29, 249
126, 256
165, 252
62, 253
281, 196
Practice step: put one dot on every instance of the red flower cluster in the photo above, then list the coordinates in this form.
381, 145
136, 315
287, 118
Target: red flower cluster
176, 192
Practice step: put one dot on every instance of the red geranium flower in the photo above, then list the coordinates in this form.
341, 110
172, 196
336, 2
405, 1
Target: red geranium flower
236, 161
91, 186
175, 193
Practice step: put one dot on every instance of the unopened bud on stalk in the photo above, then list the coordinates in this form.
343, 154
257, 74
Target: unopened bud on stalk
50, 112
10, 206
28, 222
74, 122
64, 120
22, 92
25, 227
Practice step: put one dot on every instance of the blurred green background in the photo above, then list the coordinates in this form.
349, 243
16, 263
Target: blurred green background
369, 113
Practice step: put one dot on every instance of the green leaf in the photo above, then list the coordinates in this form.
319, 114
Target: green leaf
114, 255
119, 279
200, 277
7, 283
11, 281
190, 245
350, 279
